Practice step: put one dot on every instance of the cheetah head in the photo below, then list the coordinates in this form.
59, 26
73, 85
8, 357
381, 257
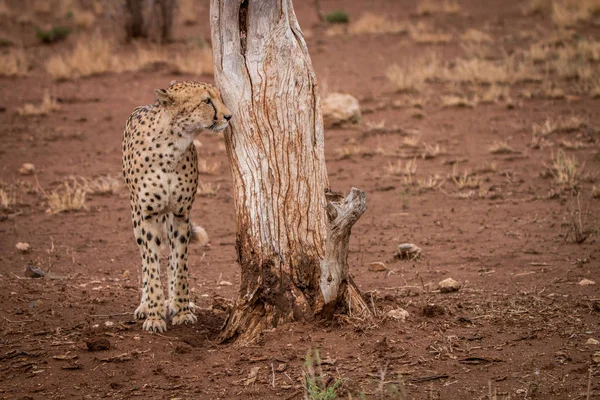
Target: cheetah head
194, 106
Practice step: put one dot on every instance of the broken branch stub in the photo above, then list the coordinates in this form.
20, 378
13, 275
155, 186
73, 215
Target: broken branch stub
341, 216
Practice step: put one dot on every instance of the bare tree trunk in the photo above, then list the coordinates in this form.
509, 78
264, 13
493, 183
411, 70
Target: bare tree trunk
167, 13
292, 253
134, 26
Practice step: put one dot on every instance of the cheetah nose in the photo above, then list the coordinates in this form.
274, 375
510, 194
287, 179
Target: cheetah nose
227, 117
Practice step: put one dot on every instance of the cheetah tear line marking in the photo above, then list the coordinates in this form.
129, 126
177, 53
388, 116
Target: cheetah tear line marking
160, 166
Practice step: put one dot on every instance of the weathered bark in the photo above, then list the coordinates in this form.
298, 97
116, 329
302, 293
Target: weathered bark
275, 147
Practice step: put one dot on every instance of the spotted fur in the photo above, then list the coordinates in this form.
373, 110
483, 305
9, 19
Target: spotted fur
160, 166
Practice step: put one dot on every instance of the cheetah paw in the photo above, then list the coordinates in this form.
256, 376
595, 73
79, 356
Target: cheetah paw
184, 317
155, 324
141, 311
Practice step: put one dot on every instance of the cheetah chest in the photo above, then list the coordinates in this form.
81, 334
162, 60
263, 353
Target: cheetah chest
169, 184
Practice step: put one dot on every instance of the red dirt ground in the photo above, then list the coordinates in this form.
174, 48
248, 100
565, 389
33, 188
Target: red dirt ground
518, 327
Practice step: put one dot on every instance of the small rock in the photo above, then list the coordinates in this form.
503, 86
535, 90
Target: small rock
199, 235
432, 310
399, 314
98, 344
224, 283
339, 108
27, 169
377, 266
586, 282
408, 251
109, 323
33, 272
126, 274
35, 304
23, 247
592, 342
596, 357
449, 285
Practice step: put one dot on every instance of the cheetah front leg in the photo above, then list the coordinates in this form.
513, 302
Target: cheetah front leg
152, 305
179, 291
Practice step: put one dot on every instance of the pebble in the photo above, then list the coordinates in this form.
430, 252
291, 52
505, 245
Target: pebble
33, 272
449, 285
27, 169
23, 247
586, 282
399, 314
98, 344
377, 266
592, 342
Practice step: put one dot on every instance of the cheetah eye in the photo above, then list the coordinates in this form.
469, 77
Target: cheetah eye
207, 101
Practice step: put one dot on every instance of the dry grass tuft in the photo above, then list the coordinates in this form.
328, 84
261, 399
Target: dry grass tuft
487, 167
432, 151
565, 170
349, 151
466, 180
550, 126
546, 128
207, 189
565, 13
429, 7
47, 106
68, 197
495, 94
101, 185
400, 168
14, 63
501, 147
370, 23
412, 77
204, 168
422, 33
460, 101
9, 196
412, 142
432, 182
97, 56
476, 36
89, 57
550, 90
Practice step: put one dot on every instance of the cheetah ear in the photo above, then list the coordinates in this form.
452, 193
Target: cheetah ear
163, 97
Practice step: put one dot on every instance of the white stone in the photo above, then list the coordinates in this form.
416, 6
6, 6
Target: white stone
586, 282
399, 314
339, 108
27, 169
23, 247
199, 235
592, 342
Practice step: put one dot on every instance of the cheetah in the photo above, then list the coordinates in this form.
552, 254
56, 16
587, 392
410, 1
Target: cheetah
160, 167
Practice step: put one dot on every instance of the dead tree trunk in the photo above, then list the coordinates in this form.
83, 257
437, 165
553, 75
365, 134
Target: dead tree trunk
292, 239
167, 13
134, 26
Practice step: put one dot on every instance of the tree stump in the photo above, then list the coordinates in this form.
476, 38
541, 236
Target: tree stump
292, 232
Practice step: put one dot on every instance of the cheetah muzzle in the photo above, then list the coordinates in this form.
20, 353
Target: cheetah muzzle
160, 166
